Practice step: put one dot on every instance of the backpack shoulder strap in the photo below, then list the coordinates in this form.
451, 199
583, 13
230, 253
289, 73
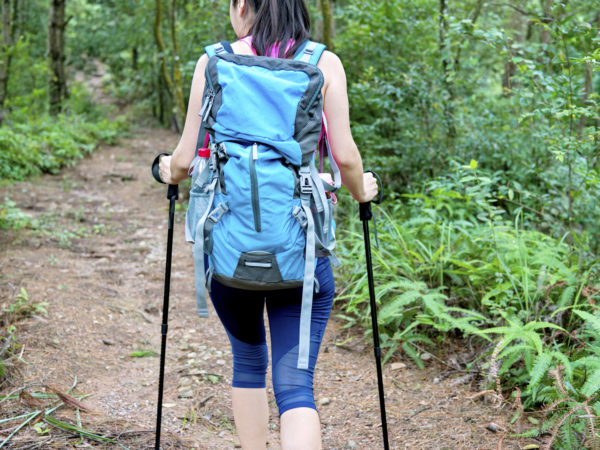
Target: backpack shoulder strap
311, 52
218, 48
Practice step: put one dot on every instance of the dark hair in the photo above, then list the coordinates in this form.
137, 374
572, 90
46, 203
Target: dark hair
278, 21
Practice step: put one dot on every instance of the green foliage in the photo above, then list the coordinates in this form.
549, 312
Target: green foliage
143, 353
12, 217
419, 102
503, 251
21, 308
453, 264
35, 144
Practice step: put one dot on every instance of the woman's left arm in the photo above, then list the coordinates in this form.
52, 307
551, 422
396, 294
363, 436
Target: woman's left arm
174, 169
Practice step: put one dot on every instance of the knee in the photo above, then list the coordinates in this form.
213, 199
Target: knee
250, 363
293, 387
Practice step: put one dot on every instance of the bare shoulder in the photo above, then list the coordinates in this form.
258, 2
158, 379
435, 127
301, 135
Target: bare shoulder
332, 68
201, 64
330, 61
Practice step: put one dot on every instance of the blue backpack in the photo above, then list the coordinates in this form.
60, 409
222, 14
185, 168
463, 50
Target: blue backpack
259, 209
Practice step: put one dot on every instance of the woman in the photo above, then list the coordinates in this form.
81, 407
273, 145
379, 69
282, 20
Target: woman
261, 26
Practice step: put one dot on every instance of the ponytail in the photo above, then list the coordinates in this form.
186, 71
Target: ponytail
276, 22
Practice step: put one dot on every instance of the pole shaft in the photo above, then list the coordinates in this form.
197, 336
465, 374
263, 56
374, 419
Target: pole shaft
365, 216
165, 318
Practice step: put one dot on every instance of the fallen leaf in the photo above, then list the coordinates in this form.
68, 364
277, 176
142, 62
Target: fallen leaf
68, 400
30, 400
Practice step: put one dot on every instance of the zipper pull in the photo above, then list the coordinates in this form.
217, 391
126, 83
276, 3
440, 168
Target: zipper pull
207, 104
255, 152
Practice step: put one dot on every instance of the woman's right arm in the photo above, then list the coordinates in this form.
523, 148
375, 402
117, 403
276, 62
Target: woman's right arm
174, 169
362, 186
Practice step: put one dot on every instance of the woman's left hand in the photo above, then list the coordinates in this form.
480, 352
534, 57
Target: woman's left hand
164, 169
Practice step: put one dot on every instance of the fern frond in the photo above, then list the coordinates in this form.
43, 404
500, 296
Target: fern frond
509, 362
410, 351
590, 320
592, 384
531, 326
551, 407
468, 312
393, 307
534, 338
591, 426
556, 428
567, 296
540, 368
587, 362
568, 436
566, 362
520, 348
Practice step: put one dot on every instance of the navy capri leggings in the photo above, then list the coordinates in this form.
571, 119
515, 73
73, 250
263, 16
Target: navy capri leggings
242, 312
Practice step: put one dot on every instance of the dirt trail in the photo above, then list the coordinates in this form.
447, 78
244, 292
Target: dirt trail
100, 267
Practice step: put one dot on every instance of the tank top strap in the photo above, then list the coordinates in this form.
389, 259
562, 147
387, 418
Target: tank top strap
272, 51
248, 41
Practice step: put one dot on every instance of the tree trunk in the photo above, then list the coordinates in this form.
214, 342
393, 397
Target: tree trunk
5, 55
588, 90
179, 113
523, 29
510, 69
134, 58
327, 23
446, 69
165, 79
546, 19
474, 17
56, 52
17, 20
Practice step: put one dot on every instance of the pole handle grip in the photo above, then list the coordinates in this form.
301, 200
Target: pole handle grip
173, 190
365, 208
380, 183
155, 166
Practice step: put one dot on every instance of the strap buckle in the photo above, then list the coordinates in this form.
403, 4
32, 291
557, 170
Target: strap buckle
300, 216
216, 215
305, 181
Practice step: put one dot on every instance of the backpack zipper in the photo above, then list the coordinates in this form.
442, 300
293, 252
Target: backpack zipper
210, 97
254, 187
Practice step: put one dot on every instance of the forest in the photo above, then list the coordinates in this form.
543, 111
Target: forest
481, 117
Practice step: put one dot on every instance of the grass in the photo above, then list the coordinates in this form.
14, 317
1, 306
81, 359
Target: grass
452, 265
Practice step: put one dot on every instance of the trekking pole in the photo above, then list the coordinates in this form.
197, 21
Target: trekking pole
172, 194
366, 214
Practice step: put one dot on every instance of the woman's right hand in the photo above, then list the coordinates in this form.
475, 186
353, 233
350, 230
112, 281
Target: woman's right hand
370, 188
164, 169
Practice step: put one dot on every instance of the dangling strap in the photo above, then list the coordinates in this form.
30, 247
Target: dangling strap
309, 269
337, 176
311, 53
